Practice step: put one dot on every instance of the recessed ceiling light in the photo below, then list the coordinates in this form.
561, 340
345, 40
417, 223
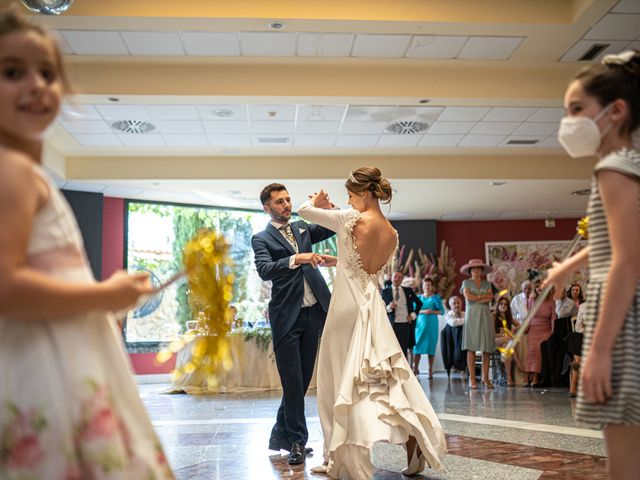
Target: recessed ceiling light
223, 113
424, 100
113, 99
497, 184
276, 25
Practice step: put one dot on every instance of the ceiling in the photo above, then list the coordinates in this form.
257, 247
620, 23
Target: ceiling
200, 102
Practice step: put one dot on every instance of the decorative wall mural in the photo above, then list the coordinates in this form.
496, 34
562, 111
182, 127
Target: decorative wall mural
513, 261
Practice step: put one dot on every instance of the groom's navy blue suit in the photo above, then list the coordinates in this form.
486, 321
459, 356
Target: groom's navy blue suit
295, 330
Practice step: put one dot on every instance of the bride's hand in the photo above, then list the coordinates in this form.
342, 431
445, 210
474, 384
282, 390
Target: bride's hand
329, 260
321, 200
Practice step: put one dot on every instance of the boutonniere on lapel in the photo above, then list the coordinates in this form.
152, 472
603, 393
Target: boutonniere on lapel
302, 230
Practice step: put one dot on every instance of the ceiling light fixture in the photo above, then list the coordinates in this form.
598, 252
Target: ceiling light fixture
113, 99
497, 183
276, 25
223, 113
47, 7
424, 100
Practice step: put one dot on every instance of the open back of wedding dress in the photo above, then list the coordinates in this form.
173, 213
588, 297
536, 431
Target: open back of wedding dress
366, 389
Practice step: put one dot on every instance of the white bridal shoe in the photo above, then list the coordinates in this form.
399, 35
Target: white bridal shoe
324, 468
417, 464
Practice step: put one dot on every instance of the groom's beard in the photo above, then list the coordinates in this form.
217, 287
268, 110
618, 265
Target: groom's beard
282, 218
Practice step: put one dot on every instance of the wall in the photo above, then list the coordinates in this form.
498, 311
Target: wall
417, 234
88, 209
466, 239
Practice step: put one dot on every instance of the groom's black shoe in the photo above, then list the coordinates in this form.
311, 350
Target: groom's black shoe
297, 454
277, 444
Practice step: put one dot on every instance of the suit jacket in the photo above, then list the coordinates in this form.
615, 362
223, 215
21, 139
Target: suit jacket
414, 304
272, 252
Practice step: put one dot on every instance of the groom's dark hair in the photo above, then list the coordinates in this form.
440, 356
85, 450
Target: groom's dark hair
265, 194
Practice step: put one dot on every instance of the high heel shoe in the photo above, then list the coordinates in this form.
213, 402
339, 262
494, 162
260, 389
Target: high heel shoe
473, 384
487, 383
324, 468
417, 464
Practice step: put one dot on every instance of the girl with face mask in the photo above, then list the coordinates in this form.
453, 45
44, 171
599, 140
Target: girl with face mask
603, 111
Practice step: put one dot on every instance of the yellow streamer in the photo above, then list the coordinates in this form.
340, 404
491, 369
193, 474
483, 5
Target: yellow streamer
206, 263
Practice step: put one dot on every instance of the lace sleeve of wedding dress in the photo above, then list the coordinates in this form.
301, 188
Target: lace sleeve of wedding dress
331, 219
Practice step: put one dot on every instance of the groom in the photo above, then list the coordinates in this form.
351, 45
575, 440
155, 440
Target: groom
297, 310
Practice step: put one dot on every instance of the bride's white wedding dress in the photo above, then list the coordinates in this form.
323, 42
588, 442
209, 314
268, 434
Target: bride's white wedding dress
366, 389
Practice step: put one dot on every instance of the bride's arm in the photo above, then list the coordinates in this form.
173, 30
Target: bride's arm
331, 219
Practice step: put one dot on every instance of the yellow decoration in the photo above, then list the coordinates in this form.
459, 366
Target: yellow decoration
582, 233
206, 263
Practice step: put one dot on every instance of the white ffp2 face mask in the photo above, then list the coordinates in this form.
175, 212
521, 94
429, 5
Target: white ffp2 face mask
580, 136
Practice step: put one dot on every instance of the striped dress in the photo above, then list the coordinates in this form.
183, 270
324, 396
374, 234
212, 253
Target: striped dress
623, 408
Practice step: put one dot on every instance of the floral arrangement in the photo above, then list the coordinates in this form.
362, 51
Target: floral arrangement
260, 335
441, 269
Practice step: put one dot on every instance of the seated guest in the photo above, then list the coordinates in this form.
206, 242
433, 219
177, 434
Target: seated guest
519, 307
453, 356
506, 326
402, 308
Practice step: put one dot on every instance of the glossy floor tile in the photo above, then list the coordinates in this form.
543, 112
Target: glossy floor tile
509, 434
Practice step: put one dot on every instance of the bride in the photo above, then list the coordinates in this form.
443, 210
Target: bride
366, 389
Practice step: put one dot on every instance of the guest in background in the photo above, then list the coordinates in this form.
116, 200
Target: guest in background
573, 342
402, 308
539, 330
478, 323
554, 353
505, 327
519, 307
453, 356
427, 326
575, 294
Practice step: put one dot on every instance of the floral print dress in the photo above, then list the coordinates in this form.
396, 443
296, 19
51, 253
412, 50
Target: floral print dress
69, 407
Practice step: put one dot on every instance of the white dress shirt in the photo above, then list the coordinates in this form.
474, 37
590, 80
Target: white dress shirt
454, 320
401, 305
519, 307
566, 308
308, 298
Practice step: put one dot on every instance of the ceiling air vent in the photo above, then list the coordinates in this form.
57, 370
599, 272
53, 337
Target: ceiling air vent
593, 51
407, 127
273, 140
522, 142
133, 126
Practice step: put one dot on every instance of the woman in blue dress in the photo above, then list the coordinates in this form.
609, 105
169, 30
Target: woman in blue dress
427, 326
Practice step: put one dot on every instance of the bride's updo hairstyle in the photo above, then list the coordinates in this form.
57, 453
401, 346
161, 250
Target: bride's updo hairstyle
369, 179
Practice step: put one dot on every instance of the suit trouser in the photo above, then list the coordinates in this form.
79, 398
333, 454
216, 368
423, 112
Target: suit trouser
295, 359
403, 334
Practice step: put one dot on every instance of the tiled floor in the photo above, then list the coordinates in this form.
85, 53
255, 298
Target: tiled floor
509, 434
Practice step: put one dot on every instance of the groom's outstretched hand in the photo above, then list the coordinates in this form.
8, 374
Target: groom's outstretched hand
312, 259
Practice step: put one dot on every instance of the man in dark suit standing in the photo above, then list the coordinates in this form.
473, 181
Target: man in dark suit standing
297, 310
403, 306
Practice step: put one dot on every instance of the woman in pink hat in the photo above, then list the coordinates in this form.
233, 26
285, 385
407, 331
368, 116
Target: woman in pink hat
478, 333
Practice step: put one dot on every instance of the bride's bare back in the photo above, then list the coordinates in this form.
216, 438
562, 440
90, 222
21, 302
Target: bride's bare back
375, 240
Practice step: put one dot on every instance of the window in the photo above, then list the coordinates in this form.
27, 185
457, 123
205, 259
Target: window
155, 236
